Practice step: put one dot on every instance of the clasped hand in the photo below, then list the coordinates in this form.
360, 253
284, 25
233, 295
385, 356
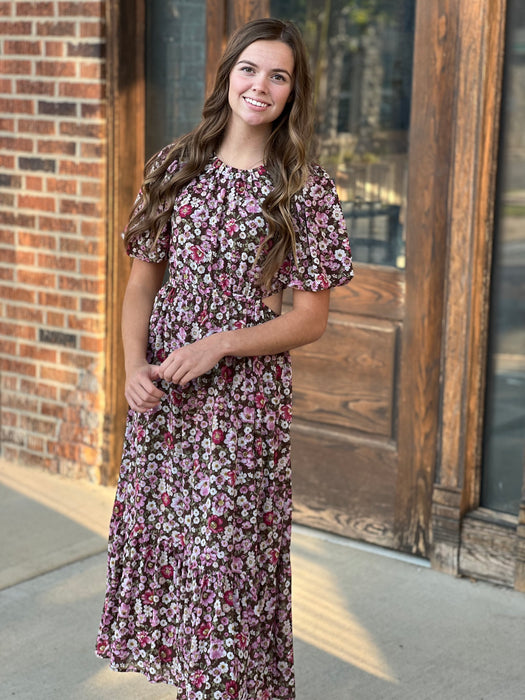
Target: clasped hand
180, 367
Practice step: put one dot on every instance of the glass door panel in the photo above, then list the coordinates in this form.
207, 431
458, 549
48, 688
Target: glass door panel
175, 69
504, 445
361, 60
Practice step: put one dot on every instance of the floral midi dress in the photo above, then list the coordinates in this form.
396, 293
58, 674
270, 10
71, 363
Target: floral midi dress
199, 585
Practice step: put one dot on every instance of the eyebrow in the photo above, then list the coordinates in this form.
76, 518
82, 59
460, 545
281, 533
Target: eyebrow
274, 70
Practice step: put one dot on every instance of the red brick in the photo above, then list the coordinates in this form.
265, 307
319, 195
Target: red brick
91, 29
7, 236
7, 199
9, 419
70, 167
7, 162
50, 28
35, 87
10, 218
15, 256
23, 48
64, 449
36, 279
37, 352
15, 28
57, 262
58, 375
5, 9
7, 274
48, 165
62, 186
80, 284
26, 296
93, 268
6, 85
12, 106
56, 410
33, 201
36, 126
54, 48
92, 306
66, 225
37, 425
79, 245
35, 9
86, 91
56, 68
24, 313
18, 330
9, 383
14, 143
55, 319
92, 344
7, 124
86, 323
37, 240
67, 148
8, 364
93, 111
61, 301
35, 443
95, 190
78, 208
34, 183
45, 391
93, 131
76, 359
15, 66
81, 9
93, 228
92, 150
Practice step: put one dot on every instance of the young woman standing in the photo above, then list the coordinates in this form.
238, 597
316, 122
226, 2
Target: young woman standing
199, 588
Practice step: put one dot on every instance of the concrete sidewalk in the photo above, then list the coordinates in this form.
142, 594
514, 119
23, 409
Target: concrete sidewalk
368, 626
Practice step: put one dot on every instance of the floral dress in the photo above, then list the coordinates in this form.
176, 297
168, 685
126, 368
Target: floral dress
199, 586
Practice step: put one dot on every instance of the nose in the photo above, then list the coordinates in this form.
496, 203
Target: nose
259, 83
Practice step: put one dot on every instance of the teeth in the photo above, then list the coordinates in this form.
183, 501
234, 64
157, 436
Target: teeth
255, 102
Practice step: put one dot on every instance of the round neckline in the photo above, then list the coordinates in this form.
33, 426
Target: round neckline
257, 169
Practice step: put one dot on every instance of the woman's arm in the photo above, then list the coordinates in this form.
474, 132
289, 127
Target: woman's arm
144, 282
305, 323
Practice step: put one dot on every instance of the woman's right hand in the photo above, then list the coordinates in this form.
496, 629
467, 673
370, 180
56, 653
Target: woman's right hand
141, 393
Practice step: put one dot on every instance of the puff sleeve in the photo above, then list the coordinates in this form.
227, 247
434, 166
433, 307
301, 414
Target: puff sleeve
142, 246
324, 259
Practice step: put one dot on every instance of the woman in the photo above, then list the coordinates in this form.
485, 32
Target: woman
199, 592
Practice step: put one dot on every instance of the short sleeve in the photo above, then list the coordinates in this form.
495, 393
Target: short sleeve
142, 246
324, 259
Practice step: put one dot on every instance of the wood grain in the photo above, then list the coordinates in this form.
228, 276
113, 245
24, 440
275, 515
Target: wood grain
344, 484
378, 292
347, 378
126, 146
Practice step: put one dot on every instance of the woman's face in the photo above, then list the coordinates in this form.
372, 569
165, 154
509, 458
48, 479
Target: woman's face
261, 82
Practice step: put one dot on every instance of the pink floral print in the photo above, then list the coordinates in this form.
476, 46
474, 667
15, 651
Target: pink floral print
199, 583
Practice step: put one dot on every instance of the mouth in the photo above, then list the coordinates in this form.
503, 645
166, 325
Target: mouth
255, 103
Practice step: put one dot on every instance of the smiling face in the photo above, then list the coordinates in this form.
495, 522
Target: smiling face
261, 83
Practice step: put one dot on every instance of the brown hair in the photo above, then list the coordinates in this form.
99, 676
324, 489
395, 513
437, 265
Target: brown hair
286, 153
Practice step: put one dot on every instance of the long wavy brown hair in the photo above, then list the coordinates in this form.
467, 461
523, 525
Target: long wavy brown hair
286, 157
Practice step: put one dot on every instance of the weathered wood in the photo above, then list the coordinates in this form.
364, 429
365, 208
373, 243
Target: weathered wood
378, 292
488, 546
519, 570
126, 105
468, 252
346, 378
242, 11
216, 33
431, 122
343, 484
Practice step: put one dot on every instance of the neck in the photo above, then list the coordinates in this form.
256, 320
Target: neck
243, 150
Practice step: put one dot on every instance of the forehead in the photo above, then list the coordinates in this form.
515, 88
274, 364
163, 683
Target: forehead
272, 55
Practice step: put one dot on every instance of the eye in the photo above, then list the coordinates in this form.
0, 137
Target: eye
246, 69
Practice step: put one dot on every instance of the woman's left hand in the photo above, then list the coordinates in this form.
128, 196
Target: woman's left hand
192, 361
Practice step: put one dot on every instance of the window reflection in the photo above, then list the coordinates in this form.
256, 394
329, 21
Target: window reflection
504, 448
361, 59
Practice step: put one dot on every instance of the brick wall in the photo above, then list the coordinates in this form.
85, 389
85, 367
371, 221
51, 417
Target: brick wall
52, 232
